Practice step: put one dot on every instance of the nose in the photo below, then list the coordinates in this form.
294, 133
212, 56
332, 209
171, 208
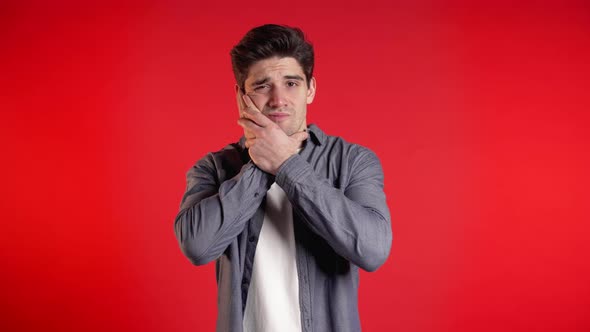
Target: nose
278, 97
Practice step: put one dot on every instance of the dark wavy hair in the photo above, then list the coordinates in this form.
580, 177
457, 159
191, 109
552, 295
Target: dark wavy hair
268, 41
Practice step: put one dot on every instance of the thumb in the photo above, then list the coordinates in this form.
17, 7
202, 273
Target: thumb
300, 136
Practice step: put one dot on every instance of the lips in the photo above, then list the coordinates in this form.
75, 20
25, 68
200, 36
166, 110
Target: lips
277, 117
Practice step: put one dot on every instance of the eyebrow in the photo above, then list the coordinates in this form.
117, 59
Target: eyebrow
294, 77
287, 77
261, 81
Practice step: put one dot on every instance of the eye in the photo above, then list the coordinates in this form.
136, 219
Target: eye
292, 83
261, 88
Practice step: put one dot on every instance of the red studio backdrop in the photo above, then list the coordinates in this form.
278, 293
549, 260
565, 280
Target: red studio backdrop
479, 114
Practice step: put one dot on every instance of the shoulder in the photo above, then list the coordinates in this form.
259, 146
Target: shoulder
353, 152
348, 158
227, 160
361, 163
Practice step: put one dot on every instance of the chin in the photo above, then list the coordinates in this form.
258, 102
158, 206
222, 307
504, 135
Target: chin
289, 128
286, 128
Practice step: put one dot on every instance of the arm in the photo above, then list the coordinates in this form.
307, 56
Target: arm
212, 214
354, 221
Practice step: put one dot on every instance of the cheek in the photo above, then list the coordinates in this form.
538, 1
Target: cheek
259, 101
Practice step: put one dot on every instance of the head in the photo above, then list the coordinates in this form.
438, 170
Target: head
273, 65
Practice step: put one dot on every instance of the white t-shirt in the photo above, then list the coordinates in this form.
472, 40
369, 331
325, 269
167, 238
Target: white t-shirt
273, 295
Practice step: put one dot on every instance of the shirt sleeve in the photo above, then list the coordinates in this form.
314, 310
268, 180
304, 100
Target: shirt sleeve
212, 214
355, 220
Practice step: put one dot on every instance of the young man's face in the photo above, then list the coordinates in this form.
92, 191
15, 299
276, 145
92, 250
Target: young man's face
278, 87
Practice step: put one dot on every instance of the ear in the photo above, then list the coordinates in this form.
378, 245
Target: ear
311, 90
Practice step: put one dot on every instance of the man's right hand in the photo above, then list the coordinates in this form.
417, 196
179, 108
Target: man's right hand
268, 145
242, 108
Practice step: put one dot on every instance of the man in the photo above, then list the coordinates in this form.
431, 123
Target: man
288, 213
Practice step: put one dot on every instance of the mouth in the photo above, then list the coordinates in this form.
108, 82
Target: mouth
277, 116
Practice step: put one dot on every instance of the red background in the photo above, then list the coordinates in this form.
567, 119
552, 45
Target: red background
478, 113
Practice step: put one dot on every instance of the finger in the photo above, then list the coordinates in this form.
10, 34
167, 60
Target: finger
251, 108
240, 100
248, 134
249, 103
300, 136
249, 142
250, 125
257, 117
251, 112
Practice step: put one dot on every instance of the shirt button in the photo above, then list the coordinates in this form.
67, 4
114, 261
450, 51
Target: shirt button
256, 194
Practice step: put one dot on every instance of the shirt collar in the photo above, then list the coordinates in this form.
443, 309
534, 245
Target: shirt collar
316, 134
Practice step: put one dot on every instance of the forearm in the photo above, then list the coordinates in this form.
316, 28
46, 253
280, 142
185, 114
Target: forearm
354, 222
210, 218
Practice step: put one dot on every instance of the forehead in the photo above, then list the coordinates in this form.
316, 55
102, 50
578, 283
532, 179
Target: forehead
274, 68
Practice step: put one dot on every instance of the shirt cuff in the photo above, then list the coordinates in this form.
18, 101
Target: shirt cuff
293, 170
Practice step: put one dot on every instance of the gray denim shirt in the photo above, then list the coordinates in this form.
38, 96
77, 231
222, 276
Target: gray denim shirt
340, 218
